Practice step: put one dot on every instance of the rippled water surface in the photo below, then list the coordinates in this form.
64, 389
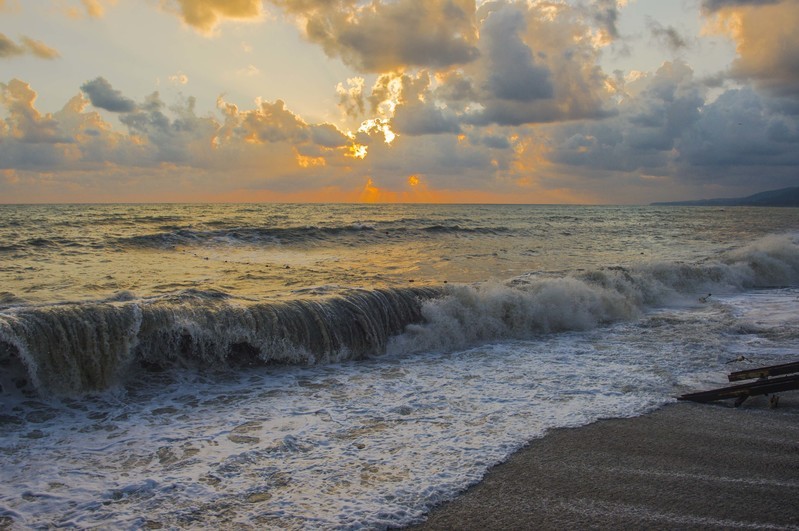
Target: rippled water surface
67, 253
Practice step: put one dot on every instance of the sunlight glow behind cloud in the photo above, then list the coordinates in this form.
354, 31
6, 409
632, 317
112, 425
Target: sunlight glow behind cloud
441, 101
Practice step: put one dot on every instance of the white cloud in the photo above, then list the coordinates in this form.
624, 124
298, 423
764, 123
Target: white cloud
179, 79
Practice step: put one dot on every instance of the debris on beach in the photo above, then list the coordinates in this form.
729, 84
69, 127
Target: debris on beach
764, 383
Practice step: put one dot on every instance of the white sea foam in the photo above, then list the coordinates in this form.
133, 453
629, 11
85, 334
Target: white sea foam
533, 305
356, 444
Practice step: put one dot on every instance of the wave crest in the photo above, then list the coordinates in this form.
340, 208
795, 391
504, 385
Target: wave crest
532, 305
74, 348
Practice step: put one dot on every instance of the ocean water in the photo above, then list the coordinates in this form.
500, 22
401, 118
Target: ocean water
350, 366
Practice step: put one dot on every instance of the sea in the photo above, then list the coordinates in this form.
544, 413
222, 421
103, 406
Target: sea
350, 366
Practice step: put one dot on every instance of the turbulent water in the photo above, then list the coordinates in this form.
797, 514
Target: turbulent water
349, 366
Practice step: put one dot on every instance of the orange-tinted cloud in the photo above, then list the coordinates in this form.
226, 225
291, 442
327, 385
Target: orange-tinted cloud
268, 147
204, 15
88, 8
24, 123
94, 8
40, 49
765, 38
8, 48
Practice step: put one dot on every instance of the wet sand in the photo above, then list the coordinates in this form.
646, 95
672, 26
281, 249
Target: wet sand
685, 466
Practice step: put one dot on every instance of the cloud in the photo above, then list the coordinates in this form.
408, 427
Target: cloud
104, 96
655, 112
741, 136
538, 63
668, 136
765, 38
414, 110
24, 123
711, 6
8, 48
328, 135
506, 101
205, 15
73, 153
668, 36
385, 36
272, 122
39, 49
514, 74
89, 8
351, 98
179, 79
421, 119
606, 15
94, 8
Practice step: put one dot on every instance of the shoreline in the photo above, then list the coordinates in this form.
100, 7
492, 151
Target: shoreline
685, 465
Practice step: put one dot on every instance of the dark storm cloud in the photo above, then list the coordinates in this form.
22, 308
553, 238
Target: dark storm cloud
390, 36
537, 64
514, 73
667, 128
104, 96
711, 6
494, 142
422, 119
740, 129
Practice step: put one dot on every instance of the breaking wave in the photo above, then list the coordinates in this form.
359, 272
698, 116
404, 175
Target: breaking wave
533, 304
74, 348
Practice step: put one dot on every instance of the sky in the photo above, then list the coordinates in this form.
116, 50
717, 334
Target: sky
536, 101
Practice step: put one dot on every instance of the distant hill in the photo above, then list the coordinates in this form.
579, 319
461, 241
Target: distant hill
784, 197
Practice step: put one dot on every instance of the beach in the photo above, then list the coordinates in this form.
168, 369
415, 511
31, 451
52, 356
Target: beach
684, 466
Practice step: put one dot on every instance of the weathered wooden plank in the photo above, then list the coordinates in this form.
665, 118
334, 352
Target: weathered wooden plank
764, 372
760, 387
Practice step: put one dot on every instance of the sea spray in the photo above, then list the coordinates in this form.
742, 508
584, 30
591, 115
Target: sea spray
534, 304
